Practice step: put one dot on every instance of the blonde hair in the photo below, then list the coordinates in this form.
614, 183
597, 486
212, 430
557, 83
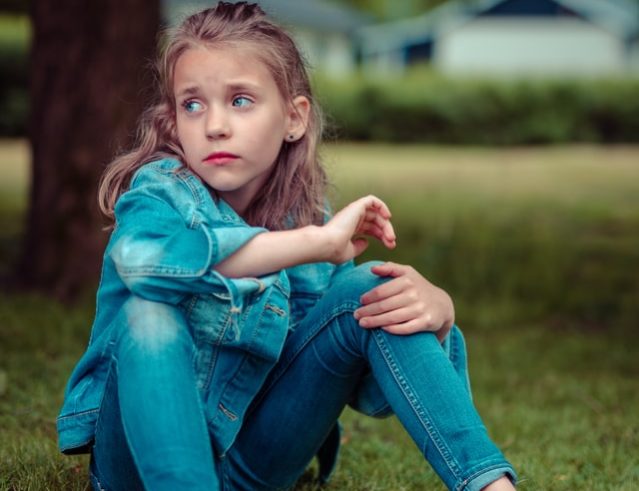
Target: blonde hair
294, 193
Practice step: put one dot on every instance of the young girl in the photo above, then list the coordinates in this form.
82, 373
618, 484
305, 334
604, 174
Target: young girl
232, 327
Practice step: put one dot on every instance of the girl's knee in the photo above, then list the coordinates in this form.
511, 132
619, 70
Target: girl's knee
359, 280
152, 326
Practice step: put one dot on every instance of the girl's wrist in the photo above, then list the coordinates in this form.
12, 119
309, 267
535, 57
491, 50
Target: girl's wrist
318, 241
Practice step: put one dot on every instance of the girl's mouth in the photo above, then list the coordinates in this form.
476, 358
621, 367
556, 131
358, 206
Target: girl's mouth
220, 158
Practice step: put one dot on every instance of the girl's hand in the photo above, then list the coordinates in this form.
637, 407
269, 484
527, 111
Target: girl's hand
406, 304
368, 216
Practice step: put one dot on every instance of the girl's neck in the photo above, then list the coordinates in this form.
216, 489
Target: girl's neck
238, 203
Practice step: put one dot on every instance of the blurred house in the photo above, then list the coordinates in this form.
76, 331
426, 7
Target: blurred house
511, 37
323, 30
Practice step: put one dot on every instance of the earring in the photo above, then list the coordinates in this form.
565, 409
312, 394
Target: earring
290, 137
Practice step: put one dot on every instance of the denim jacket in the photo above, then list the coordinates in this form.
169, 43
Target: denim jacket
169, 234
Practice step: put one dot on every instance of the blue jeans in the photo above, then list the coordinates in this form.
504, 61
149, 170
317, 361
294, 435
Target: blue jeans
151, 427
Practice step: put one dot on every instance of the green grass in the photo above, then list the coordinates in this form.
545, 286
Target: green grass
549, 234
538, 246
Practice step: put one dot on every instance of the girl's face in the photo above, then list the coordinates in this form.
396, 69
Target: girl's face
231, 120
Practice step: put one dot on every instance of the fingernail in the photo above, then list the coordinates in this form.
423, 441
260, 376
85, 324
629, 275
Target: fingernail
356, 315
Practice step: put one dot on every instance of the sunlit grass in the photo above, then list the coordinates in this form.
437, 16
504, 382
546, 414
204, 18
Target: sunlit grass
567, 177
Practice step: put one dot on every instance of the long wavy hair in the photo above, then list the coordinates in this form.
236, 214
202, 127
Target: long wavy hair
294, 194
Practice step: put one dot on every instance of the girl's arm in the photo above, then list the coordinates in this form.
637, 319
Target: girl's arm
406, 304
339, 240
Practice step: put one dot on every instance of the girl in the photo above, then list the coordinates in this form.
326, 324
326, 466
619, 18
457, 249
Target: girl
232, 327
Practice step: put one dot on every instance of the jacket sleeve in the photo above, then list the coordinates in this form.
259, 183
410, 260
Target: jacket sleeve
164, 248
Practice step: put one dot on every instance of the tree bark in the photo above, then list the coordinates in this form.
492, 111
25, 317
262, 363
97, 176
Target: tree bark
89, 69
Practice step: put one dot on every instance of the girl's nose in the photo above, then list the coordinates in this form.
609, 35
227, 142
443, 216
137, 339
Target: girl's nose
217, 125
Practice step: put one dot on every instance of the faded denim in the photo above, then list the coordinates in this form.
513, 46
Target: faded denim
192, 380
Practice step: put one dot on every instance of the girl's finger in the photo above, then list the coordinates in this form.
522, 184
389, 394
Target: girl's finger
387, 227
384, 223
386, 305
388, 289
397, 316
380, 229
374, 201
389, 243
389, 269
404, 328
373, 215
390, 231
413, 326
371, 229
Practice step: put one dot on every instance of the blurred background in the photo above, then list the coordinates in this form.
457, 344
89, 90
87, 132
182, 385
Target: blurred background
504, 136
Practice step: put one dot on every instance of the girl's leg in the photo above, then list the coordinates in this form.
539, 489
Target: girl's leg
151, 433
318, 372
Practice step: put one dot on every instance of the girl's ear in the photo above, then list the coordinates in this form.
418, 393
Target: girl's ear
298, 114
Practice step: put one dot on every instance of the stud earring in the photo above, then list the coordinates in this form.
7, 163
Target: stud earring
290, 137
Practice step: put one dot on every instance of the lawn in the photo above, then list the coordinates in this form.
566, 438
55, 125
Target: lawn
539, 247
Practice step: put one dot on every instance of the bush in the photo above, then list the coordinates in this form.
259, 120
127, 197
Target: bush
421, 107
14, 76
425, 107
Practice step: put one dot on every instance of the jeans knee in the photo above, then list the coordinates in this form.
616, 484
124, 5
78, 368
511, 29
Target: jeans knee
359, 280
152, 326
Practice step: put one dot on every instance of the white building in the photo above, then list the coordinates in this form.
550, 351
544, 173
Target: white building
512, 37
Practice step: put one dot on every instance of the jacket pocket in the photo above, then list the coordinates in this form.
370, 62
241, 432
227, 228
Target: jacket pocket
209, 317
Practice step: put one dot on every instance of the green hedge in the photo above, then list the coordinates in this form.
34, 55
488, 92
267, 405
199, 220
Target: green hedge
421, 107
14, 76
425, 107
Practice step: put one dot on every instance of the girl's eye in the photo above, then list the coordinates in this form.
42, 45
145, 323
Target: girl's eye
192, 106
241, 101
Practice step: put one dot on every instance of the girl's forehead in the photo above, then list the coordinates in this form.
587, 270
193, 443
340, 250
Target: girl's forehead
222, 59
208, 67
225, 67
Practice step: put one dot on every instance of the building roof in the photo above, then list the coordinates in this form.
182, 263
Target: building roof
621, 17
314, 14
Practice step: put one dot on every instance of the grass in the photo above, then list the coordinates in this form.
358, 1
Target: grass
526, 230
539, 248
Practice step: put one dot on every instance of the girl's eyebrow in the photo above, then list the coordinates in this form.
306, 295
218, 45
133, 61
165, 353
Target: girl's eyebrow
192, 90
240, 85
233, 86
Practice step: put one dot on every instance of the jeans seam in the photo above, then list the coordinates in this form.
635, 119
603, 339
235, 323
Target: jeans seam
418, 408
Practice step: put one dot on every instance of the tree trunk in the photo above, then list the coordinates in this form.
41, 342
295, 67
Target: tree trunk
89, 67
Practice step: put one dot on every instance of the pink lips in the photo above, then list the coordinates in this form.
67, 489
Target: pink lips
220, 158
